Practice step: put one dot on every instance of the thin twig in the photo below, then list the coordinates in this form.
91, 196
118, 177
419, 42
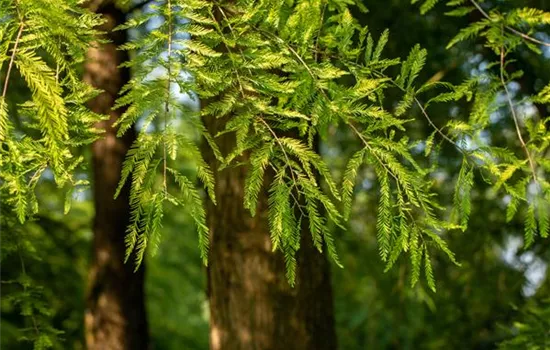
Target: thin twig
515, 31
422, 109
514, 116
424, 113
296, 201
168, 83
280, 145
438, 130
235, 70
365, 142
12, 58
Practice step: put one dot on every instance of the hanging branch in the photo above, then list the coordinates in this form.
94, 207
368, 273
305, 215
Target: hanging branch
511, 29
514, 116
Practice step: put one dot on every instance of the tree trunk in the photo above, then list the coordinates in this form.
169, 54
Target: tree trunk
252, 306
115, 317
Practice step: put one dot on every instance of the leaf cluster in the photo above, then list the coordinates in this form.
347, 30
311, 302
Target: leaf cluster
43, 122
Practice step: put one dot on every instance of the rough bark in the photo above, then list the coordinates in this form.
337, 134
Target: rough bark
115, 317
252, 305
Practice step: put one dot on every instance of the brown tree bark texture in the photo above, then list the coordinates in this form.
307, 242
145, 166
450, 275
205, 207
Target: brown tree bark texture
115, 317
252, 306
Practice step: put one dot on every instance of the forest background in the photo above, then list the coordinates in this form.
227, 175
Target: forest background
497, 297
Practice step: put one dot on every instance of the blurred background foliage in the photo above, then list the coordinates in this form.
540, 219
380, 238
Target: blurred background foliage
498, 296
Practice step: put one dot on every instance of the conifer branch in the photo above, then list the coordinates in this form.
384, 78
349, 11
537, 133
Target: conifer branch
294, 182
355, 130
350, 124
262, 120
382, 75
389, 171
423, 112
511, 29
366, 143
514, 116
296, 201
235, 70
416, 100
436, 128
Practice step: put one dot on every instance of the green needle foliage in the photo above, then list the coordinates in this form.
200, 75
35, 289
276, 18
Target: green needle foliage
522, 175
25, 294
158, 144
277, 75
43, 122
277, 80
531, 331
43, 42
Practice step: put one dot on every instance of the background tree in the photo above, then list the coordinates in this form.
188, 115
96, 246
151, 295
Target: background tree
115, 314
43, 123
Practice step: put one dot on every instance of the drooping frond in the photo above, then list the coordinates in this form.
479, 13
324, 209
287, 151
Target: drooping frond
275, 77
44, 42
276, 82
151, 97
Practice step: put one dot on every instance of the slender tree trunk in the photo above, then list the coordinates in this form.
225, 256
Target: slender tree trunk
115, 316
252, 306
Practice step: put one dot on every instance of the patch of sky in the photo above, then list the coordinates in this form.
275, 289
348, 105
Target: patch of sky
187, 98
533, 267
545, 38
